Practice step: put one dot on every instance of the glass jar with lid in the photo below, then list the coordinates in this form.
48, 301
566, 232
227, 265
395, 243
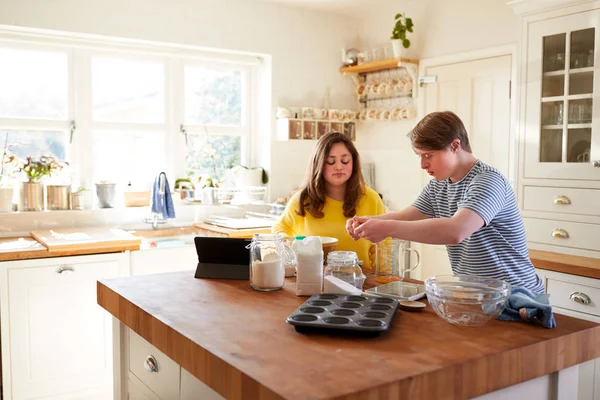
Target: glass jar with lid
344, 265
268, 257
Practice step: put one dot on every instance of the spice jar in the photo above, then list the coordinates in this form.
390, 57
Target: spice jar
268, 257
343, 265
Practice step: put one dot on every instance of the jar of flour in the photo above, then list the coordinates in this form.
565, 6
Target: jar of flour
269, 255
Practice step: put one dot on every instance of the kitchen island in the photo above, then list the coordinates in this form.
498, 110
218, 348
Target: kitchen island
235, 340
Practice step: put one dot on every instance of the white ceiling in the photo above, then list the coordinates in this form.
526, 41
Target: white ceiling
345, 7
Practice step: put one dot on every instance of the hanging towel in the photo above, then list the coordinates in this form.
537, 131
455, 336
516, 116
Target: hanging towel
162, 203
524, 305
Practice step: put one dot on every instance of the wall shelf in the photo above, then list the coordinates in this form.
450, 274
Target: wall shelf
378, 65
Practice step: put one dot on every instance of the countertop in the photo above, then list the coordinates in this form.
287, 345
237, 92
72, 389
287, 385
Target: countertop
236, 340
575, 265
27, 247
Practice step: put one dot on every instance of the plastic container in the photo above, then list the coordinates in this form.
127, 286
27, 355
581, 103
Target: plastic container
466, 299
332, 313
309, 254
343, 265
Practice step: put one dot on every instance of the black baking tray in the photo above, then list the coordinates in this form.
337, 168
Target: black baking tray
344, 314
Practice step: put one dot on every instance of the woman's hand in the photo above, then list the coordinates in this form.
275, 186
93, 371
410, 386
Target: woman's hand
354, 223
374, 230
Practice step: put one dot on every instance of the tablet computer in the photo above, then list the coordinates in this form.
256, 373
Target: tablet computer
399, 290
222, 258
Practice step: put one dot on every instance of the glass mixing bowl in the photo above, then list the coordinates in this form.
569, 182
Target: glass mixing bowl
467, 299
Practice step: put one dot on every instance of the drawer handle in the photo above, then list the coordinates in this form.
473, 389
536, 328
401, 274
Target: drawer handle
151, 364
560, 233
63, 269
596, 163
580, 298
562, 200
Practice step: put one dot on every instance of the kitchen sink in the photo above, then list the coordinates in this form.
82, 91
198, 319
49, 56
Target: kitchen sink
167, 241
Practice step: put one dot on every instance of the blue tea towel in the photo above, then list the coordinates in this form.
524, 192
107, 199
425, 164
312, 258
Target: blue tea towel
524, 305
162, 203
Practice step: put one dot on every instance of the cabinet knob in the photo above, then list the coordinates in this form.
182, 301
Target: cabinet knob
151, 364
596, 163
64, 269
562, 199
580, 298
560, 233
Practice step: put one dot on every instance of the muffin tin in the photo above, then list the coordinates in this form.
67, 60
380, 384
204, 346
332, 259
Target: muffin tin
328, 313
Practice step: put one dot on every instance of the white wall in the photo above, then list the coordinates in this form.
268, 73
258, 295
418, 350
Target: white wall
305, 47
442, 27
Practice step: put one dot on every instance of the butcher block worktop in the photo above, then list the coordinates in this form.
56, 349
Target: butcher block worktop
574, 265
236, 340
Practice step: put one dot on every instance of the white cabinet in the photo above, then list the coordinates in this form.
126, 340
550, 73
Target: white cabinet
169, 259
577, 297
150, 375
559, 169
56, 339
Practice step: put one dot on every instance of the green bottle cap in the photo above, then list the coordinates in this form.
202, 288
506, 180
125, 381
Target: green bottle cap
299, 237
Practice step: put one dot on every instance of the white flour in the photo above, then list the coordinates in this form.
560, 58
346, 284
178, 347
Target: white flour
268, 274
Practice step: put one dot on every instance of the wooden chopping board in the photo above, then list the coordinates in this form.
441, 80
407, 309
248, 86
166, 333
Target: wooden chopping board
87, 238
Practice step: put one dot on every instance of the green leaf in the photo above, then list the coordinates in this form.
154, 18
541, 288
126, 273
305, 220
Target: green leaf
406, 43
409, 23
398, 16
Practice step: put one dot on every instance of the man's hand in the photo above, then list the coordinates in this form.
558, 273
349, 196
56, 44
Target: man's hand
374, 230
354, 223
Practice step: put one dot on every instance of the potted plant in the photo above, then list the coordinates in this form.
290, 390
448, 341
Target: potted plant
31, 193
399, 40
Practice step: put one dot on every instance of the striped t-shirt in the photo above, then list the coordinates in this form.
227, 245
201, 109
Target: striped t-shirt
499, 248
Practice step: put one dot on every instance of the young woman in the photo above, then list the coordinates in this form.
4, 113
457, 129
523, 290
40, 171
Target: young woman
334, 190
469, 206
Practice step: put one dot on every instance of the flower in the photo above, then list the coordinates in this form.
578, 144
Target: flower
36, 169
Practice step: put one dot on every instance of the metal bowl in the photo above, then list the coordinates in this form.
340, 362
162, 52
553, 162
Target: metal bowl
466, 299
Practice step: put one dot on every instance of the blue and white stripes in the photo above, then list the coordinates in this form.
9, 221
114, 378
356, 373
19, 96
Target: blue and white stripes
499, 248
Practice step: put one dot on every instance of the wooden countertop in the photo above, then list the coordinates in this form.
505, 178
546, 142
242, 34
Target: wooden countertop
236, 340
233, 233
26, 248
575, 265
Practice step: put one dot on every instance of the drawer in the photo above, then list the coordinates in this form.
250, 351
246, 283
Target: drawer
577, 235
164, 381
563, 295
561, 200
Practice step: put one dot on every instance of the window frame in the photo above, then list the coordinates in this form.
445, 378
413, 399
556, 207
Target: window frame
81, 48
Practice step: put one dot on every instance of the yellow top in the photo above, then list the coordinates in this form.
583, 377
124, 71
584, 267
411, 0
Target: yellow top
333, 223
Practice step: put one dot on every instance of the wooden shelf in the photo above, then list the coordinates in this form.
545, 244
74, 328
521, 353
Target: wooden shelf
377, 65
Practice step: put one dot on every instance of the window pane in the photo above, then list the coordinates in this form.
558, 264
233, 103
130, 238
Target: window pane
124, 157
127, 90
212, 156
33, 84
213, 97
33, 144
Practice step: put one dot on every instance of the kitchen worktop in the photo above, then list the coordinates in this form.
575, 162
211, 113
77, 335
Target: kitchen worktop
236, 341
27, 247
574, 265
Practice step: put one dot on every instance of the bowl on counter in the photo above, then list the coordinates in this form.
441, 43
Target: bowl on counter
466, 300
329, 244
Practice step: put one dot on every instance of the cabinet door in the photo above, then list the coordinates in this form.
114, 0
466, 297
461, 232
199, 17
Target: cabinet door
60, 338
192, 388
155, 261
562, 104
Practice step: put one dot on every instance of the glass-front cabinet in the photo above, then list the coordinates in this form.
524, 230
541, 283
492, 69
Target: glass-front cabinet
562, 106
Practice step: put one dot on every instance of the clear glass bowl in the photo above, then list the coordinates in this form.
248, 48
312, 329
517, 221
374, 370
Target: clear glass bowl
466, 299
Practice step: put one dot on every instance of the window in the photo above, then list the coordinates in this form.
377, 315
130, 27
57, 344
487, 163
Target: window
216, 118
116, 112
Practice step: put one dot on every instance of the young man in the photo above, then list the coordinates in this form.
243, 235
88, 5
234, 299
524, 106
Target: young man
469, 206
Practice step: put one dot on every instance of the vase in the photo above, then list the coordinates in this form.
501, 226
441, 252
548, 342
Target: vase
6, 199
397, 48
106, 193
58, 197
31, 196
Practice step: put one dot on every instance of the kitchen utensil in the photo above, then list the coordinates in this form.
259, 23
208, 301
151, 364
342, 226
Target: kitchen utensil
390, 259
465, 299
334, 313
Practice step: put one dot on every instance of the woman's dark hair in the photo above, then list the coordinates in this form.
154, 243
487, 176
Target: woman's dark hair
312, 194
437, 130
